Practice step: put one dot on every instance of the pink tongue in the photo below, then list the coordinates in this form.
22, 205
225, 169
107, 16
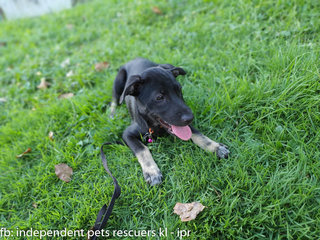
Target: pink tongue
183, 133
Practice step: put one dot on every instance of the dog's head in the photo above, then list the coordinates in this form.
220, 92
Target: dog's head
160, 94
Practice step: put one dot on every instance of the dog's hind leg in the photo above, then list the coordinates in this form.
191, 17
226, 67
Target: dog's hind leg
118, 87
209, 145
150, 170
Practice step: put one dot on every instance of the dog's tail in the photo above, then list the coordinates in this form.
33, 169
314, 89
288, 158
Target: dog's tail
118, 85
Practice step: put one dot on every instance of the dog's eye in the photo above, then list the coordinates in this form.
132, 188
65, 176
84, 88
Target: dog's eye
160, 97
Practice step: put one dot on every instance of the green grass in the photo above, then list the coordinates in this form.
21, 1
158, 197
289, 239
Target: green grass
252, 82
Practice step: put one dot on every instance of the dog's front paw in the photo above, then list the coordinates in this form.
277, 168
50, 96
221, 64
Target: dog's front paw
222, 151
152, 176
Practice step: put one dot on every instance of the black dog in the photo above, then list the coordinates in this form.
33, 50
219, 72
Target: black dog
154, 99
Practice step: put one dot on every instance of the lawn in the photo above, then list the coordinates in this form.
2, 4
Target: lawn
252, 82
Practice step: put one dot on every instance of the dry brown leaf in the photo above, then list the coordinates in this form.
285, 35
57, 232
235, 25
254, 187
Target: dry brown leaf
156, 10
69, 26
43, 84
24, 153
3, 44
51, 137
35, 205
188, 211
66, 96
63, 171
101, 66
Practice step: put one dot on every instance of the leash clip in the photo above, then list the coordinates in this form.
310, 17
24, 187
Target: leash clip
148, 136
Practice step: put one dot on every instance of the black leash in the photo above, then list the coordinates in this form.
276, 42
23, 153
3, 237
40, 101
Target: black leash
105, 211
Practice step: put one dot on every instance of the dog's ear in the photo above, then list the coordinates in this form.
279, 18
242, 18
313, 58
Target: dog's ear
132, 87
176, 71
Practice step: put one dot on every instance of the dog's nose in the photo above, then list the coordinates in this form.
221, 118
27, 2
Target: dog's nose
187, 118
